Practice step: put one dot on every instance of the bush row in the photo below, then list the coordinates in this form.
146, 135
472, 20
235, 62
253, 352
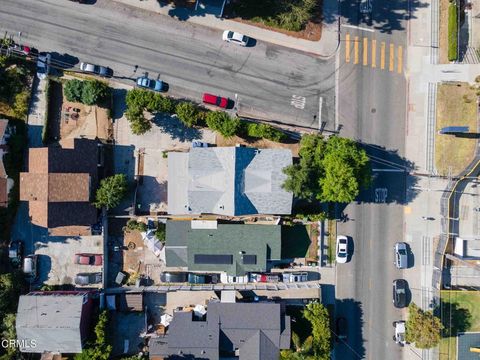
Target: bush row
189, 114
452, 32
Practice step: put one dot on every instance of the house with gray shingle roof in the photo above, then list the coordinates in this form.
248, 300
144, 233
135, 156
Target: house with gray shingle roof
231, 181
243, 331
234, 249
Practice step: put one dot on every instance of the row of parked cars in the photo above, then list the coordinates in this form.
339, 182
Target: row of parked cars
400, 290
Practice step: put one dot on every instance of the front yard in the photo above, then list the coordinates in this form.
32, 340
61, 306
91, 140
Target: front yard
456, 106
460, 312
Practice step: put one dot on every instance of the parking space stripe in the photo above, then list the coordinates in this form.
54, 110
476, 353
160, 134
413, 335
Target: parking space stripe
374, 53
365, 51
355, 60
382, 55
400, 60
347, 48
392, 57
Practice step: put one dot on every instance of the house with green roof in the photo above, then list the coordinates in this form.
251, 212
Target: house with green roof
233, 249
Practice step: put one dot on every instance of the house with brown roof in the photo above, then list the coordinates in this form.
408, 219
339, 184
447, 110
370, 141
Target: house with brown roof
5, 183
60, 185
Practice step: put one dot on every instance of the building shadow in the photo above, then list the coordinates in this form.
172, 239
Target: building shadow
353, 346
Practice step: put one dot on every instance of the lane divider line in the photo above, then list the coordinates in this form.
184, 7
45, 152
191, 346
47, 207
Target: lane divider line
355, 60
392, 57
347, 48
374, 53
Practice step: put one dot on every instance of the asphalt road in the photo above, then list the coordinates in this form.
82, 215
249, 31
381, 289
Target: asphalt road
271, 82
372, 90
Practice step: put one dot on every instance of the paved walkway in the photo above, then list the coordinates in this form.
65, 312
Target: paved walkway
326, 47
36, 115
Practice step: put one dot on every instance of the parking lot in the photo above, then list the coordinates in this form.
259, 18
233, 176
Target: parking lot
56, 256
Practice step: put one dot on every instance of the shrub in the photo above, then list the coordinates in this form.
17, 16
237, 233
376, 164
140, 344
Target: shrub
138, 123
265, 131
223, 123
93, 92
111, 191
187, 113
73, 90
160, 232
132, 224
20, 105
452, 32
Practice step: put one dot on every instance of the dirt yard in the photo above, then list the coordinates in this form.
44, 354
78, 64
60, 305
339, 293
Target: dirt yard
261, 144
443, 33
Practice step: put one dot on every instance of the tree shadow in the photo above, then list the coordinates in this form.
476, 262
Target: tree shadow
175, 128
455, 318
352, 347
385, 17
295, 242
119, 103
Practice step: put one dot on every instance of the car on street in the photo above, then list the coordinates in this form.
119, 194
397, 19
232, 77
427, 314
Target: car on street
292, 277
235, 37
199, 144
342, 249
264, 278
30, 268
399, 334
88, 259
194, 278
96, 69
88, 278
215, 100
400, 293
174, 277
151, 84
401, 255
341, 329
15, 253
43, 65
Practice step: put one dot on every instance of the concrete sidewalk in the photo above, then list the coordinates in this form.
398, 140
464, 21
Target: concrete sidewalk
326, 47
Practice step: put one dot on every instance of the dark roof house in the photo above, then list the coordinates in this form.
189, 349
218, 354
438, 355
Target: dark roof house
243, 331
230, 181
56, 321
232, 248
61, 184
5, 182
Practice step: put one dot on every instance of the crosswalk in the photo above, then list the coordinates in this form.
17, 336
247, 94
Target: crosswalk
364, 51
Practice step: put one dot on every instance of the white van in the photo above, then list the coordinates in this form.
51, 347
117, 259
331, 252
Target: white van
30, 267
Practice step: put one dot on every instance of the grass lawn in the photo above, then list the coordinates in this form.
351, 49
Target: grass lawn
460, 312
456, 106
332, 237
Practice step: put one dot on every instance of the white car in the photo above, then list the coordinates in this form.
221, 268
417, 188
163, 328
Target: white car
235, 37
43, 65
342, 249
399, 336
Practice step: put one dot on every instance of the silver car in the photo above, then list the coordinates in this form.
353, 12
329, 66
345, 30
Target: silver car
103, 71
401, 255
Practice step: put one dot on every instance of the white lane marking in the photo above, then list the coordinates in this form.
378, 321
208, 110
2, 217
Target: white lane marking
298, 101
320, 105
358, 27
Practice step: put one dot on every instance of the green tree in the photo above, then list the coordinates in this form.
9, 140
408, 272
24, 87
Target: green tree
73, 90
133, 224
265, 131
318, 316
187, 113
111, 191
8, 331
422, 328
223, 123
99, 349
138, 123
328, 170
160, 233
94, 92
20, 105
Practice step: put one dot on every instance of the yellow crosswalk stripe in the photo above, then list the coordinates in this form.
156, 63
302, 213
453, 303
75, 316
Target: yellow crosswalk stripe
347, 48
365, 51
382, 55
400, 60
374, 53
355, 59
392, 57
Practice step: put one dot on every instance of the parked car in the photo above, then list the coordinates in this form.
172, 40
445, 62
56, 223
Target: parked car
235, 37
215, 100
401, 255
88, 278
198, 143
342, 249
399, 334
43, 65
174, 277
24, 50
96, 69
264, 278
194, 278
88, 259
295, 276
30, 268
15, 249
151, 84
400, 293
341, 329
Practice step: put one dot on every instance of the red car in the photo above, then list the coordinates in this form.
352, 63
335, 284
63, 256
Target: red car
215, 100
88, 259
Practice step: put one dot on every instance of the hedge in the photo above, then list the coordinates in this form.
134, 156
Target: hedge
265, 131
452, 32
